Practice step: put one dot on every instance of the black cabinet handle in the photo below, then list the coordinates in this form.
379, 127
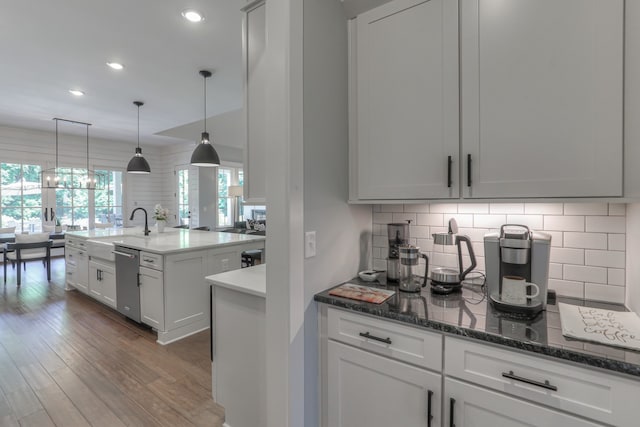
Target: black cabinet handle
545, 384
452, 403
429, 416
373, 337
46, 215
449, 161
138, 279
468, 170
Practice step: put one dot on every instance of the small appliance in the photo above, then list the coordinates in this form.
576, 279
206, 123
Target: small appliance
409, 260
446, 280
517, 252
398, 234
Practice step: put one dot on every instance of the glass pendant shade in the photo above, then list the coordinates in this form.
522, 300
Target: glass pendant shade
138, 164
205, 155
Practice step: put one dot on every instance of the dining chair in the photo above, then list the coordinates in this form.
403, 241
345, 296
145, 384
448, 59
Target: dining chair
7, 230
203, 228
28, 247
103, 225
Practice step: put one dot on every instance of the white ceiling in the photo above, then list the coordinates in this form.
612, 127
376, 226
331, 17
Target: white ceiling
48, 47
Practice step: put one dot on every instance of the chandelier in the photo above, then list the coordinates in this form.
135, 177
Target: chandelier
68, 178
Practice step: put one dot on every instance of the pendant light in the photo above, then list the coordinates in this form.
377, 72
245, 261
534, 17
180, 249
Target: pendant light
205, 155
138, 164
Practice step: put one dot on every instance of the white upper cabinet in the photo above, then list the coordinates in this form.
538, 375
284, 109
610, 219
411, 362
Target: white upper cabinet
542, 97
254, 46
531, 93
404, 101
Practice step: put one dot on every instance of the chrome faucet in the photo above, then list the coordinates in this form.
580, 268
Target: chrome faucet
146, 224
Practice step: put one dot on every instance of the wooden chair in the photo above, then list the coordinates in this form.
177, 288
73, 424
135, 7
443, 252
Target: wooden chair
28, 247
203, 228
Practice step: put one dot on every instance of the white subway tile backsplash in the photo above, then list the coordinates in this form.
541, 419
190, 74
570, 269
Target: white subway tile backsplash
586, 209
606, 224
432, 219
567, 256
567, 288
613, 259
416, 208
489, 221
534, 222
444, 208
473, 208
617, 242
382, 218
506, 208
419, 231
616, 276
617, 209
563, 223
543, 208
598, 292
392, 208
555, 271
404, 217
585, 240
588, 240
583, 273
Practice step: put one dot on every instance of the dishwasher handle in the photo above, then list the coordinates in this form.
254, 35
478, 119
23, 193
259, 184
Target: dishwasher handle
130, 256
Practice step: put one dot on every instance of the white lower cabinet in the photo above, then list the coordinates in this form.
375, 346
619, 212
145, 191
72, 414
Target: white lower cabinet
368, 390
77, 269
102, 282
468, 405
152, 298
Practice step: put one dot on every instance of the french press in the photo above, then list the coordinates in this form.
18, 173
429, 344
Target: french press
409, 260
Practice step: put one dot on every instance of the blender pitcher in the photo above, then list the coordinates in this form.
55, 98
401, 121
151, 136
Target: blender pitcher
409, 259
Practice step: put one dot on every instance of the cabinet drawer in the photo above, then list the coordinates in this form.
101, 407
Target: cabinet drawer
404, 343
78, 243
151, 260
592, 394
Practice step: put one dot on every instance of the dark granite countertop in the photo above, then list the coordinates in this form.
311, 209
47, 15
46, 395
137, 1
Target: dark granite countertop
469, 314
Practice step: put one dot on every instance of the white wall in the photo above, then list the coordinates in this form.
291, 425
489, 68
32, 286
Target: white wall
587, 239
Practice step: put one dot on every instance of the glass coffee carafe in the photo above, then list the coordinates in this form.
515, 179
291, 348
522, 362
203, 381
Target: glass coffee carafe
409, 281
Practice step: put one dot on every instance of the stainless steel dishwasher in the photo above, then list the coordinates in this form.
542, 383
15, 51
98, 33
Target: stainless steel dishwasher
128, 282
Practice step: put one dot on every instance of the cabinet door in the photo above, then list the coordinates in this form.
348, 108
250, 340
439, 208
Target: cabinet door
406, 101
95, 282
254, 46
541, 84
77, 263
368, 390
473, 406
108, 279
152, 298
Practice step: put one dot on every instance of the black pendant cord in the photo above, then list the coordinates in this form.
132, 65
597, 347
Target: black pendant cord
205, 102
87, 153
56, 171
138, 124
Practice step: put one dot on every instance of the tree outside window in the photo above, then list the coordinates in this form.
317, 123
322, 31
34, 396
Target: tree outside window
20, 197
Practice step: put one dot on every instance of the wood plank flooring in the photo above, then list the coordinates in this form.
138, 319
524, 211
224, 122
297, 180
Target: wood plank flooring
67, 360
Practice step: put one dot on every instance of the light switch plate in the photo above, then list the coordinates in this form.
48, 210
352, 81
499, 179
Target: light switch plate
309, 244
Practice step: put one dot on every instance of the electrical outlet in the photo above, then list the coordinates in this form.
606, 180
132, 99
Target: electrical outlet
225, 264
309, 244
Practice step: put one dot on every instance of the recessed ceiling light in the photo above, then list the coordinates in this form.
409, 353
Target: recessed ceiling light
115, 65
76, 92
193, 15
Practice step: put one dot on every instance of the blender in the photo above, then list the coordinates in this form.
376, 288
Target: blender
398, 234
446, 280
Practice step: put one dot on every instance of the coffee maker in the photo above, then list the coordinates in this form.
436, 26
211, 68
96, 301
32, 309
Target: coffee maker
516, 251
398, 234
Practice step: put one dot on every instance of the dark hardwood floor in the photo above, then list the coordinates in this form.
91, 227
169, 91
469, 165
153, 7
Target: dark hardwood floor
67, 360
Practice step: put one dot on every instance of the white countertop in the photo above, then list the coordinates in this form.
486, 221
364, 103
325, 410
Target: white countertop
172, 240
251, 280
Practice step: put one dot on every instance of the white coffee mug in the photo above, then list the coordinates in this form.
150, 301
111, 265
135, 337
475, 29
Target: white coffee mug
514, 290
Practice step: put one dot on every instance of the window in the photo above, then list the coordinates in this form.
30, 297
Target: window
184, 214
20, 197
229, 205
108, 202
72, 206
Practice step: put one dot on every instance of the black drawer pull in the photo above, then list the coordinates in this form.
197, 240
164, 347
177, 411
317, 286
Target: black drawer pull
545, 384
449, 161
373, 337
429, 416
468, 170
452, 404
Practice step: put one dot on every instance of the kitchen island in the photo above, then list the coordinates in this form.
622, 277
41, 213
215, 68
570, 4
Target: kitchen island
172, 266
